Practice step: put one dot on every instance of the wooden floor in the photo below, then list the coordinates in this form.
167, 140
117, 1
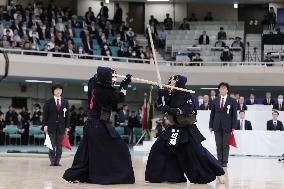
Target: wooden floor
242, 173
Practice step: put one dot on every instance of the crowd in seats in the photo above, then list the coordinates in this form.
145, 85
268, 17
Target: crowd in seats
57, 29
24, 120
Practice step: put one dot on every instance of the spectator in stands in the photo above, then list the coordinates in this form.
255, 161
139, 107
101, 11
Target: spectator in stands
220, 43
70, 50
106, 50
168, 22
2, 128
204, 39
129, 20
36, 118
103, 11
1, 110
80, 116
197, 58
268, 59
271, 19
241, 104
141, 53
109, 32
237, 97
60, 26
268, 100
153, 21
251, 100
226, 55
205, 105
208, 17
280, 104
117, 19
90, 15
11, 116
88, 45
184, 25
5, 43
238, 43
243, 124
222, 34
162, 38
130, 34
274, 124
60, 41
192, 18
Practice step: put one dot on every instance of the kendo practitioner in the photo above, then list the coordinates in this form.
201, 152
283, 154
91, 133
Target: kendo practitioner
102, 156
178, 150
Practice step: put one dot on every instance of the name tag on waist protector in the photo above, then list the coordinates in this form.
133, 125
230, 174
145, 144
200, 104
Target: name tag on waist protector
174, 137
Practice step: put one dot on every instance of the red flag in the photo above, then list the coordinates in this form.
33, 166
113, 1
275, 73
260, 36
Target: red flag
233, 141
65, 142
145, 114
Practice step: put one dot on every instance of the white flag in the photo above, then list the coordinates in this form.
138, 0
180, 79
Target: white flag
47, 142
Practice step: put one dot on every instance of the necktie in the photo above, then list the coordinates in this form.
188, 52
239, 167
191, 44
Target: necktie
268, 101
58, 105
222, 104
275, 125
280, 107
242, 124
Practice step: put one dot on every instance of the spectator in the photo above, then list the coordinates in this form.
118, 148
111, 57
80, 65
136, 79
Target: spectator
70, 50
220, 43
130, 34
129, 20
1, 110
274, 124
193, 18
205, 105
226, 55
103, 11
222, 34
271, 19
200, 100
196, 58
117, 19
88, 45
268, 59
80, 117
280, 104
5, 43
204, 39
11, 116
23, 129
243, 124
238, 43
162, 38
109, 31
208, 17
116, 41
36, 118
184, 25
124, 116
90, 15
251, 100
241, 104
132, 122
212, 95
106, 50
237, 97
153, 21
2, 128
268, 100
168, 22
60, 41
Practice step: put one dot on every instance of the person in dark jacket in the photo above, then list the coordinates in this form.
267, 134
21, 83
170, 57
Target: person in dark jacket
102, 156
178, 150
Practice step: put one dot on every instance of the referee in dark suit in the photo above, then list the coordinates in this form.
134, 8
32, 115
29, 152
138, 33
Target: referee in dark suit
56, 122
223, 120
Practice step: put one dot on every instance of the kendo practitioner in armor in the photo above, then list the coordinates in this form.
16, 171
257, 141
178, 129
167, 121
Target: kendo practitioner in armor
102, 156
178, 150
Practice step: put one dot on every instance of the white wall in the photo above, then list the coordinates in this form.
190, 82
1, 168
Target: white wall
83, 5
159, 11
219, 11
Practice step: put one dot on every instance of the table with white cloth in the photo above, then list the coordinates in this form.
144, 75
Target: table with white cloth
255, 142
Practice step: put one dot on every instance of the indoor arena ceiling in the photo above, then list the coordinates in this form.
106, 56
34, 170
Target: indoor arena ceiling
211, 1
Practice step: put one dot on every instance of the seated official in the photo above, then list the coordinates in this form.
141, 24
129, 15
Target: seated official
243, 124
251, 100
241, 104
268, 100
205, 105
280, 104
268, 58
220, 43
226, 55
274, 124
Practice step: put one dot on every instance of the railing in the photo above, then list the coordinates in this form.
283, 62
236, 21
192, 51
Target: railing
139, 61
